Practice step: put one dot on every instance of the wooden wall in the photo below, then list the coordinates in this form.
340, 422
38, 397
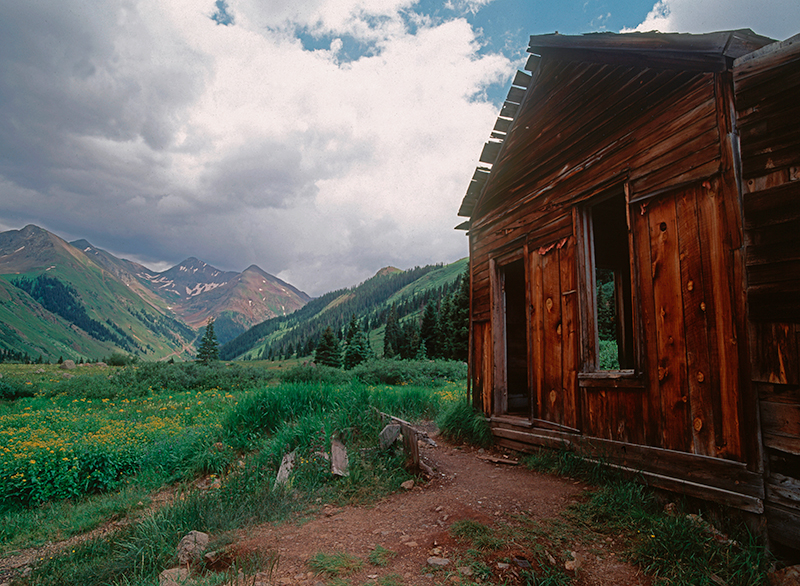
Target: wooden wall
665, 137
767, 84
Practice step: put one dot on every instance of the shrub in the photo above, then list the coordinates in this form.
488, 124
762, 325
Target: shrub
314, 373
418, 372
120, 359
13, 390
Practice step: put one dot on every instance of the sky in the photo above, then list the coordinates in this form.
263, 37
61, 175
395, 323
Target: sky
319, 139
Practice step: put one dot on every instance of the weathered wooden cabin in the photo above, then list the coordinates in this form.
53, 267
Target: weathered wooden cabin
635, 263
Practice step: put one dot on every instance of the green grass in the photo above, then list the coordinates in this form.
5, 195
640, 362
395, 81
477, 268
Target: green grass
459, 422
380, 556
477, 534
334, 564
674, 549
241, 433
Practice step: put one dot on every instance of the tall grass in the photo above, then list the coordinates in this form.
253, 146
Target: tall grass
262, 427
460, 422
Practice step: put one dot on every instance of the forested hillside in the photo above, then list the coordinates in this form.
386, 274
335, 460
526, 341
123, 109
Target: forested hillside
392, 301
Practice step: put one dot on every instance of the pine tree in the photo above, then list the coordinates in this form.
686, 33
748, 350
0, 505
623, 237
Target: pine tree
209, 347
391, 335
328, 352
357, 348
459, 320
429, 330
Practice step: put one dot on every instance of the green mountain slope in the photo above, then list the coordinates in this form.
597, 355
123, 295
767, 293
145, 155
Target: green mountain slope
139, 325
28, 328
371, 302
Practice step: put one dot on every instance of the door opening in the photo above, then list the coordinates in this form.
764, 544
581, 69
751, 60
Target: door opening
516, 338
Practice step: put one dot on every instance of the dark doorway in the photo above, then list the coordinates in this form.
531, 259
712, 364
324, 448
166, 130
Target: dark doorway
512, 276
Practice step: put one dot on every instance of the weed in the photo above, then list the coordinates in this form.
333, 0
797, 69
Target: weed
481, 536
546, 576
380, 556
391, 580
334, 564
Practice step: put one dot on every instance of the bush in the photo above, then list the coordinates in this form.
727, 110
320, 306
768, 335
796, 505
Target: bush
314, 373
13, 390
417, 372
119, 359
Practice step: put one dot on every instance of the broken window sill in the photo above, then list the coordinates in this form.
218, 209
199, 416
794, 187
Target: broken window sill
611, 379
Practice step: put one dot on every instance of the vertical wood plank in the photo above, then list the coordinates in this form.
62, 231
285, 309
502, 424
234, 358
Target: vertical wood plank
537, 328
700, 377
553, 397
569, 334
712, 216
669, 323
652, 404
497, 345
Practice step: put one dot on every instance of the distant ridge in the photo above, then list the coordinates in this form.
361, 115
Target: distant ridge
154, 314
370, 301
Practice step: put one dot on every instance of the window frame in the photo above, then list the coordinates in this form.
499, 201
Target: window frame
590, 375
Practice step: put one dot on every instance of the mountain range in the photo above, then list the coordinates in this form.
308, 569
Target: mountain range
74, 300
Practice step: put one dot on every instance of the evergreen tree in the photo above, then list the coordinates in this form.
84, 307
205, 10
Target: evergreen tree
391, 337
209, 347
408, 343
459, 320
328, 352
357, 348
429, 330
445, 346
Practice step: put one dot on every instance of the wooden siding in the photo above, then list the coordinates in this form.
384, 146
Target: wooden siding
766, 86
767, 115
584, 125
685, 414
554, 319
664, 132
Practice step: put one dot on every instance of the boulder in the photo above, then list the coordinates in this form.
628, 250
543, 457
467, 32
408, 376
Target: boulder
67, 365
173, 577
191, 547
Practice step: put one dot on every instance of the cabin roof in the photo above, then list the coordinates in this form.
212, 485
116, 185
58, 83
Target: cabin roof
703, 52
709, 52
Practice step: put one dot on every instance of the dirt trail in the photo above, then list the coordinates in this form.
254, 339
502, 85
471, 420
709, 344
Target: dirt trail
414, 525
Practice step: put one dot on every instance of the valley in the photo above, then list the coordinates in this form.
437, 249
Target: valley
130, 309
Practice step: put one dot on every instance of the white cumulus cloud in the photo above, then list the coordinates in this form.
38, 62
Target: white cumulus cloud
778, 19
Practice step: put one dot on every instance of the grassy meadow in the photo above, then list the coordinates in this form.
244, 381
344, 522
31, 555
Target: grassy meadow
78, 451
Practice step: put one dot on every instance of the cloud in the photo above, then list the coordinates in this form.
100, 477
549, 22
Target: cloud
157, 133
778, 19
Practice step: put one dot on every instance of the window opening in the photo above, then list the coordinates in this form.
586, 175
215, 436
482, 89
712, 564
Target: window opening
612, 278
516, 338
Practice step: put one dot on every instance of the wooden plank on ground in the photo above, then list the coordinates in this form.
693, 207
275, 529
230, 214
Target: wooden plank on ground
727, 475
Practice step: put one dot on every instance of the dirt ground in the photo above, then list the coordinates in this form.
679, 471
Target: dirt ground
414, 524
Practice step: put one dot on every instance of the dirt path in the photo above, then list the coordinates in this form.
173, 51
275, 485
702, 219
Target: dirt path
414, 525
